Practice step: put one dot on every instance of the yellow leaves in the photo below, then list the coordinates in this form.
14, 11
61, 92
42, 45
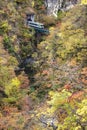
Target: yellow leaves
0, 114
82, 110
84, 101
15, 82
5, 26
51, 29
12, 90
5, 75
2, 12
78, 128
83, 1
12, 86
27, 35
13, 61
71, 40
1, 60
83, 120
60, 34
32, 3
58, 99
66, 25
51, 93
13, 38
10, 99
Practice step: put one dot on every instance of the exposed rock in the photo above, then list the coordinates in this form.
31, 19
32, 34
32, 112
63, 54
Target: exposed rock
53, 6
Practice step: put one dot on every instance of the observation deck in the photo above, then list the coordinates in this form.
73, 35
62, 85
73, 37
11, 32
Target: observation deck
39, 27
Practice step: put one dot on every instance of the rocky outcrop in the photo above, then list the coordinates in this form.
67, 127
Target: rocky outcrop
53, 6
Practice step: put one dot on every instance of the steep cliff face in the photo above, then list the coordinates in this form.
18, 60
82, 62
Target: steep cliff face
53, 6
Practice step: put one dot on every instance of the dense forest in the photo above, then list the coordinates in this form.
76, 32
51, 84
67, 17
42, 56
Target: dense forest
43, 65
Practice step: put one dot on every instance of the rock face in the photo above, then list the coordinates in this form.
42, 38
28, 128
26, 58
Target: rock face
53, 6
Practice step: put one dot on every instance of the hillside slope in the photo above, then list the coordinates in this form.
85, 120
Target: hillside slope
50, 91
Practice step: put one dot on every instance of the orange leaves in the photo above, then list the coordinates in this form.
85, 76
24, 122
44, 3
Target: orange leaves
7, 110
84, 71
58, 24
49, 85
67, 86
26, 104
45, 72
43, 7
24, 81
73, 62
84, 75
76, 96
84, 81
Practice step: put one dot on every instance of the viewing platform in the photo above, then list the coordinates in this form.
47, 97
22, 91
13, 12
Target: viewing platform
39, 27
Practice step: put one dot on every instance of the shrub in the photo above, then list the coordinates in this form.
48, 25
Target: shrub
48, 20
